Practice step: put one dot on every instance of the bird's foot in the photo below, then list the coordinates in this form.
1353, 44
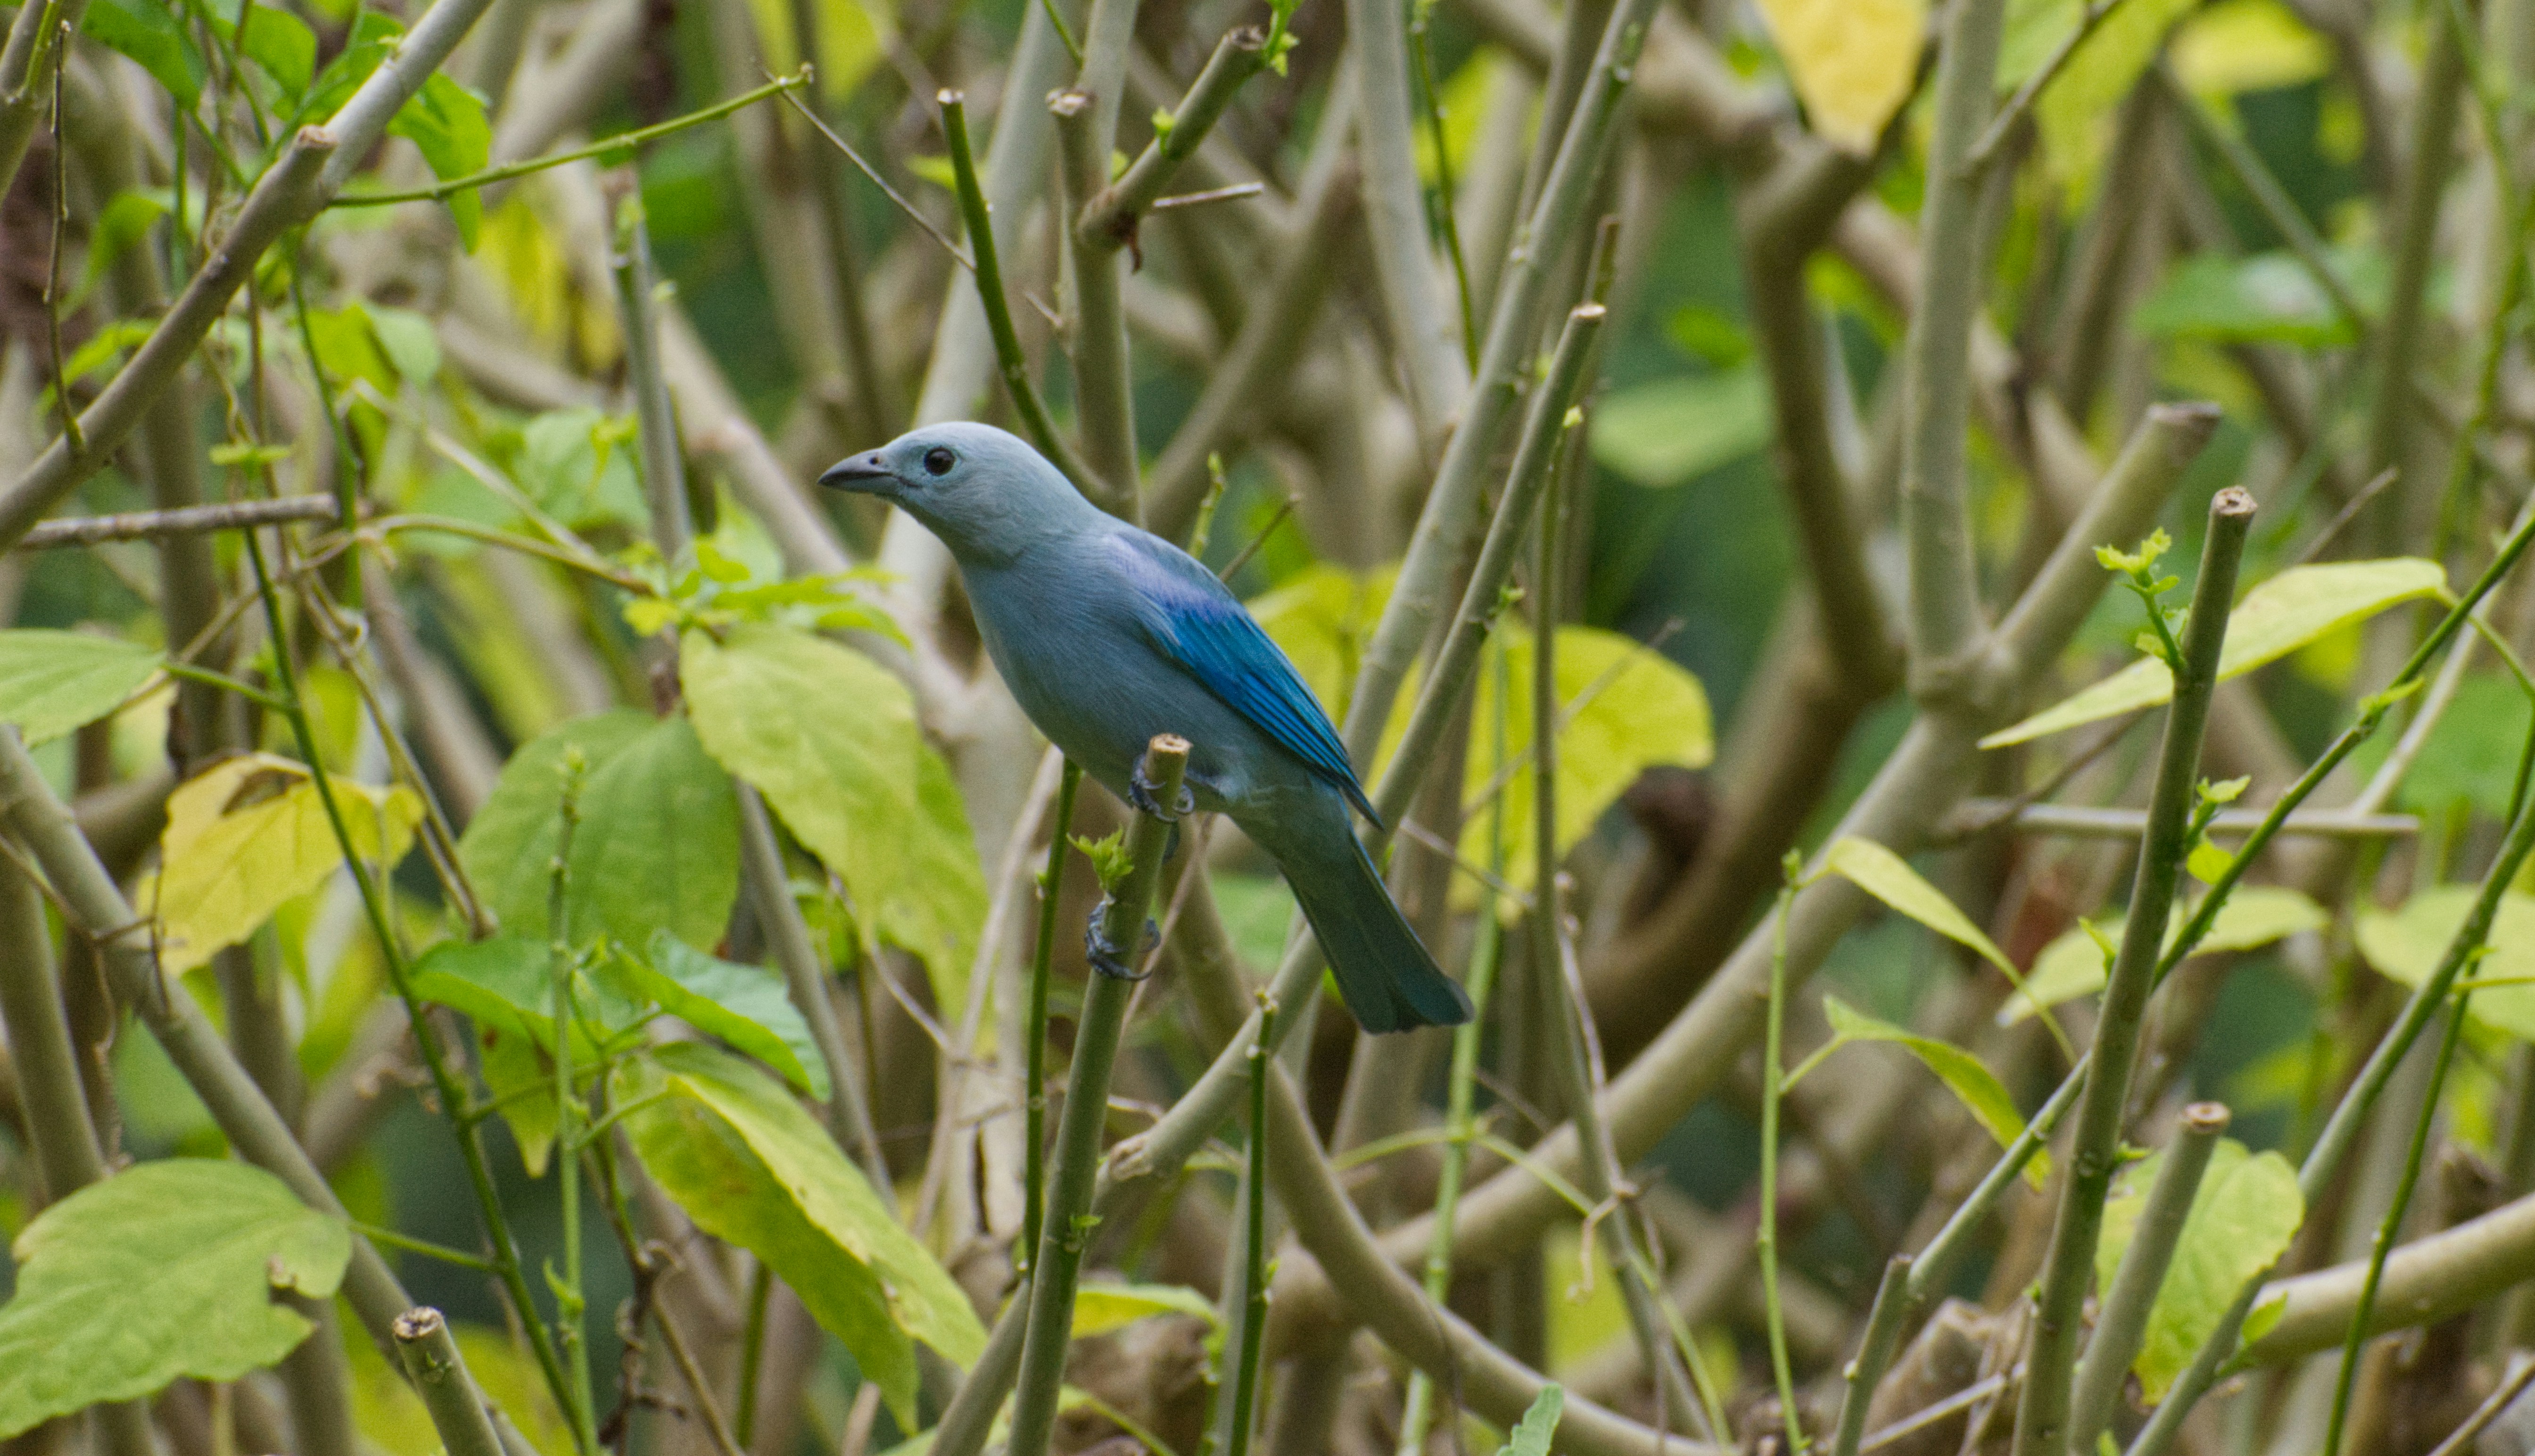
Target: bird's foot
1139, 793
1106, 957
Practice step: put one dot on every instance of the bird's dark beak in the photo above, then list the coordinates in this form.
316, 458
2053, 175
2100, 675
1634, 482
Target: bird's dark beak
862, 472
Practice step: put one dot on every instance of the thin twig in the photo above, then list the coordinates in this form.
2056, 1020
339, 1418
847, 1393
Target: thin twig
147, 525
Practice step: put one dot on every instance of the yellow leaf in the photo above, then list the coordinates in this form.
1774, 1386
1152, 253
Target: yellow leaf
2076, 108
2247, 46
1852, 61
251, 832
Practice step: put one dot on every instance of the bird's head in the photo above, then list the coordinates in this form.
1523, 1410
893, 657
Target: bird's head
984, 492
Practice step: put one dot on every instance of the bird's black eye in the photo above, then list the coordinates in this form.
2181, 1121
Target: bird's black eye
939, 459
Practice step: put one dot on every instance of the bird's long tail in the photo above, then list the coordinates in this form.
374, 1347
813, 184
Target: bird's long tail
1390, 981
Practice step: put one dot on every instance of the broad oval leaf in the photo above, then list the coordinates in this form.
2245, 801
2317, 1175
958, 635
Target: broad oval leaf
1889, 877
2406, 945
505, 985
659, 842
830, 737
1668, 432
52, 682
250, 833
2242, 1219
2073, 964
749, 1166
1853, 62
2279, 616
168, 1271
1983, 1095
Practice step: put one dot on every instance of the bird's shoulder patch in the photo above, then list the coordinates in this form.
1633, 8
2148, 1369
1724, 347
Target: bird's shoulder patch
1206, 630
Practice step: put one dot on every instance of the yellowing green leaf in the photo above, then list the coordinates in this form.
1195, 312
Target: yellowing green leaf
2073, 964
830, 737
1889, 877
1979, 1089
2277, 617
1099, 1308
749, 1166
2242, 1219
251, 832
167, 1271
52, 682
2406, 945
1532, 1434
1853, 62
1624, 708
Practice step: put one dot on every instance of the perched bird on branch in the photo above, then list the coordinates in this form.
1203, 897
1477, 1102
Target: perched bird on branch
1108, 635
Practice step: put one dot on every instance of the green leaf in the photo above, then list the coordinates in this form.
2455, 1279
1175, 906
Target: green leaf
2268, 298
2285, 613
283, 46
121, 225
2073, 964
750, 1167
2242, 1219
168, 1271
151, 36
2406, 945
251, 834
1670, 431
521, 1083
830, 737
447, 122
1099, 1308
1531, 1434
2074, 111
52, 682
747, 1006
1889, 877
407, 338
373, 38
568, 462
1981, 1092
659, 842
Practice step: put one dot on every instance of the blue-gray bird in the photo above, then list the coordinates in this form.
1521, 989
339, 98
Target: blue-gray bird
1108, 635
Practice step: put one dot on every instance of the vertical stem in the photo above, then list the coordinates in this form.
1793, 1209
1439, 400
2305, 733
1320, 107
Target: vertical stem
2398, 340
664, 475
2122, 1325
1011, 363
1253, 1309
752, 1354
561, 966
1051, 885
430, 1355
2042, 1409
1394, 219
1104, 397
40, 1045
1067, 1229
1773, 1074
2382, 1244
1945, 605
1562, 1000
879, 413
1487, 952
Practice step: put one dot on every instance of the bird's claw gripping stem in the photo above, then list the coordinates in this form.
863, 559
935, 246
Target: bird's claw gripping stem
1106, 957
1139, 793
